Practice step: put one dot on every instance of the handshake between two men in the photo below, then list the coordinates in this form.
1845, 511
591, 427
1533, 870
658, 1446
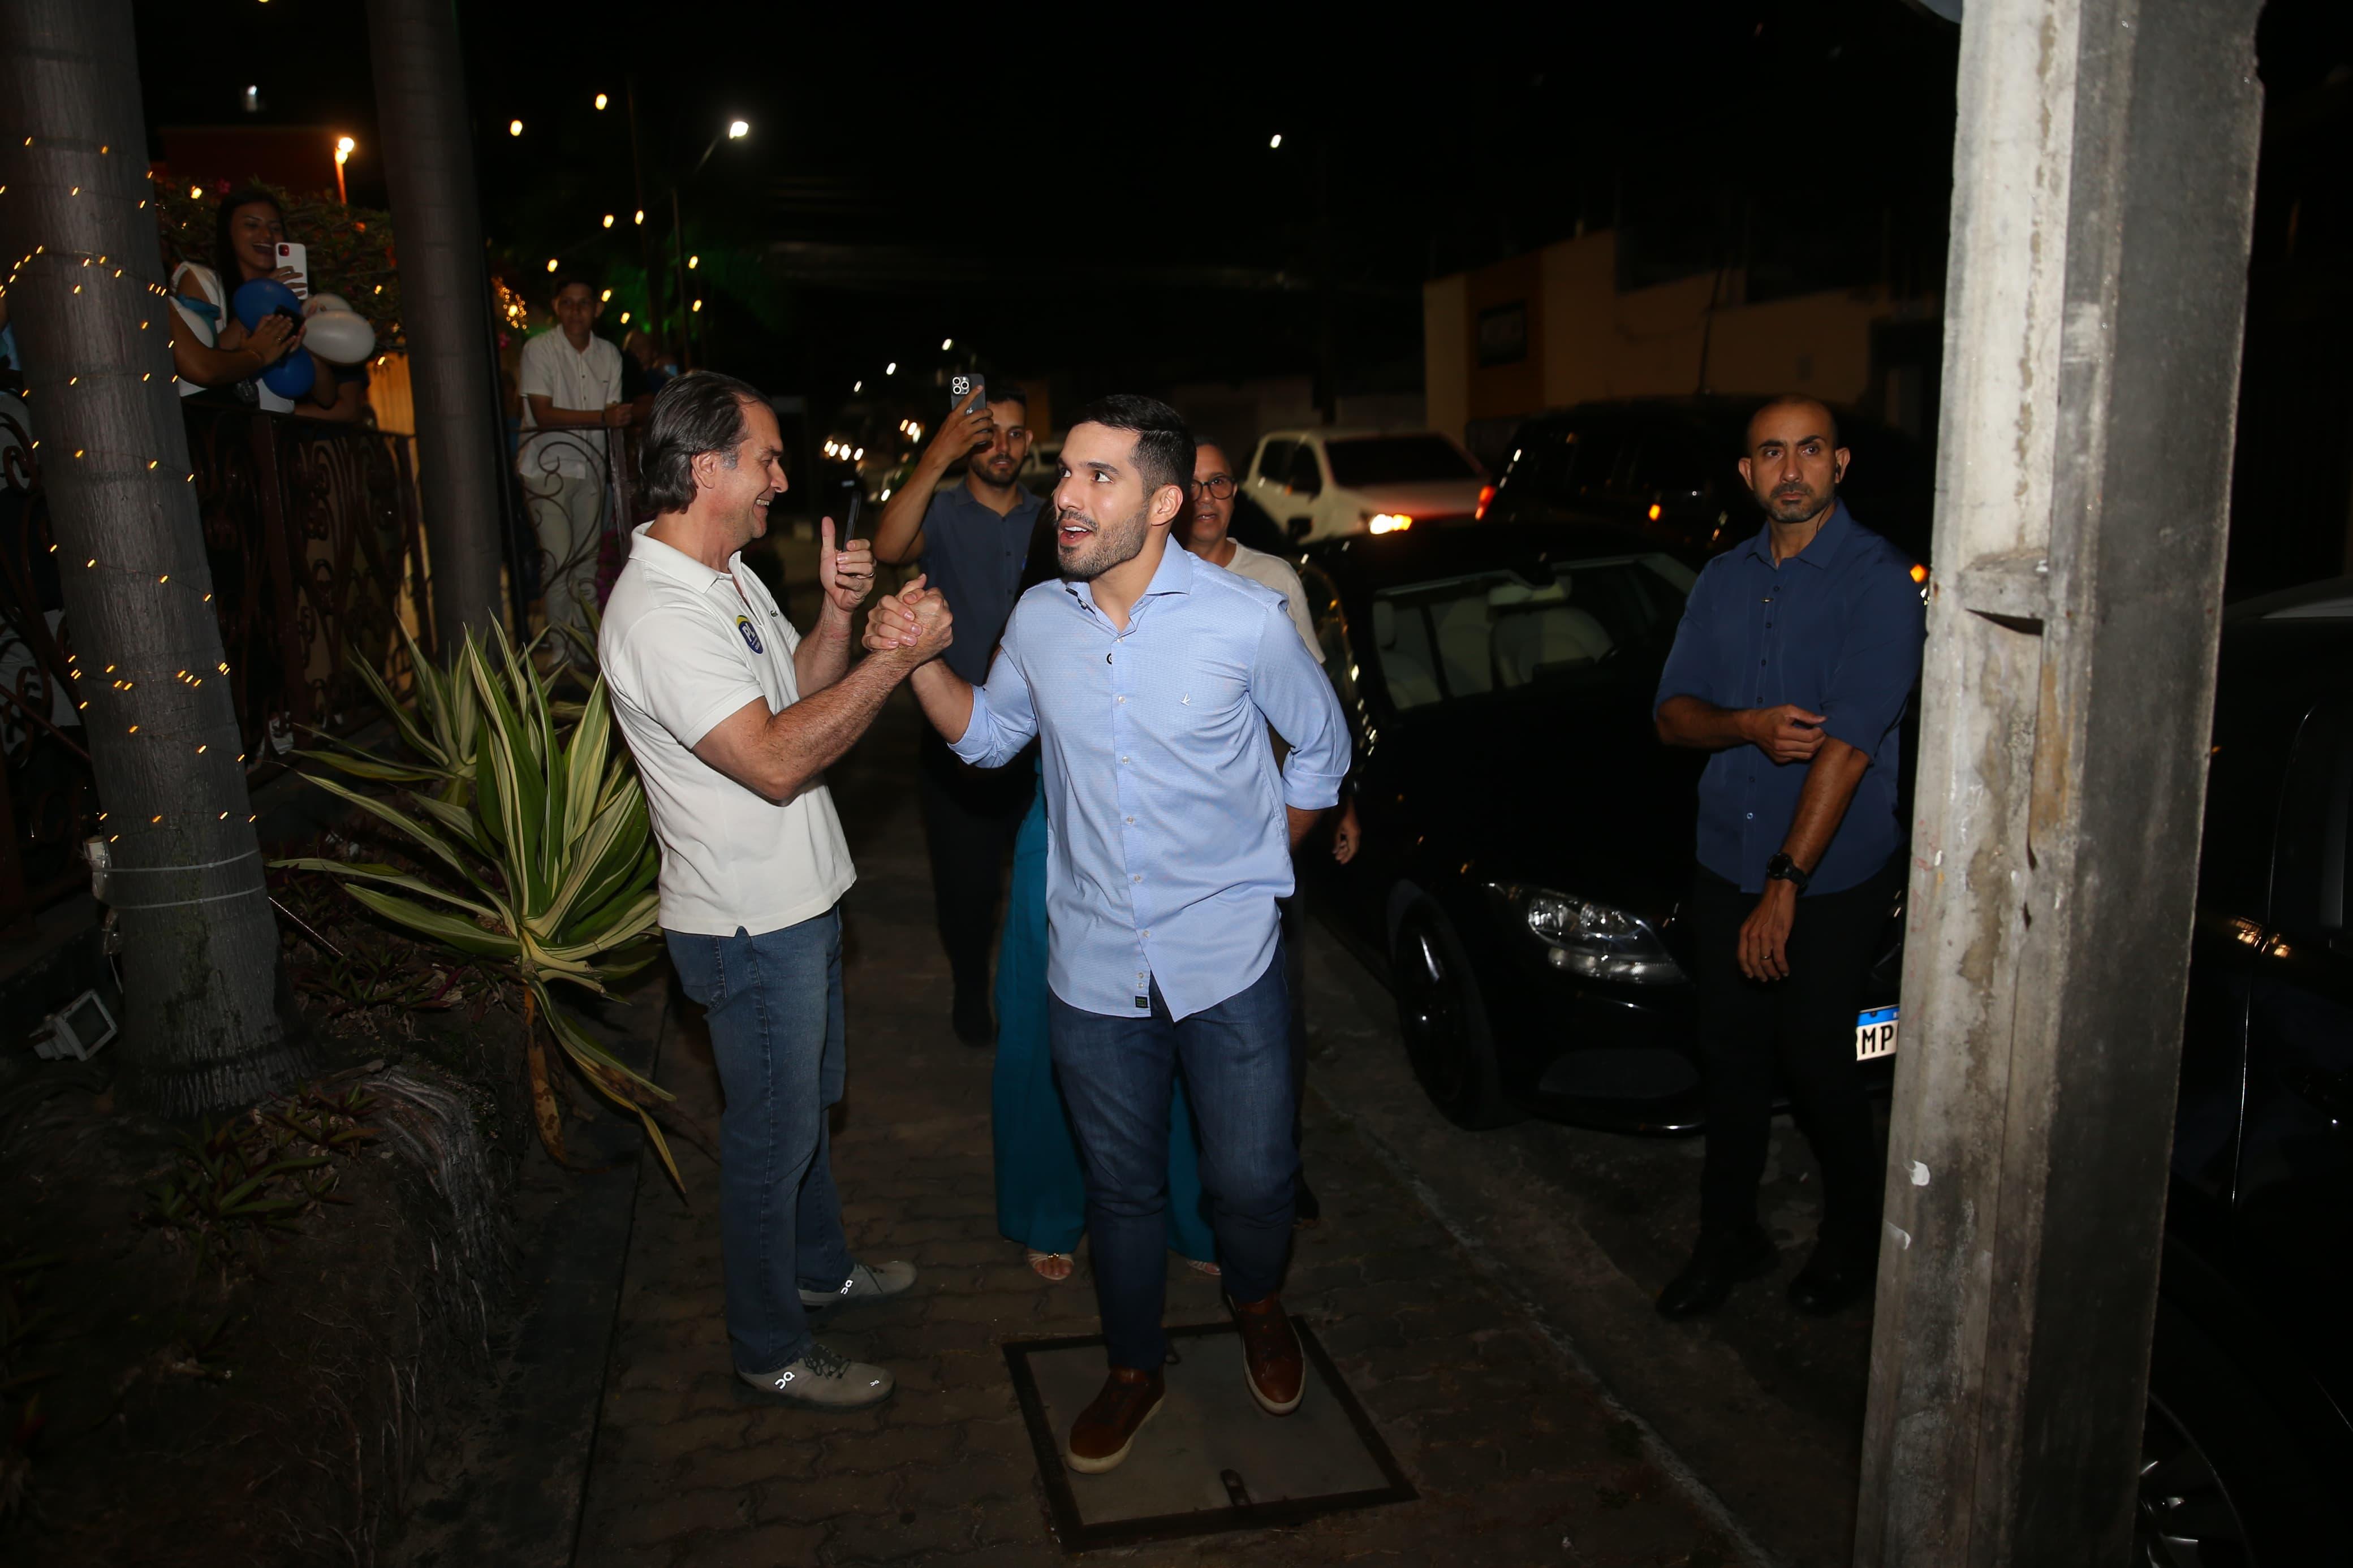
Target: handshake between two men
915, 618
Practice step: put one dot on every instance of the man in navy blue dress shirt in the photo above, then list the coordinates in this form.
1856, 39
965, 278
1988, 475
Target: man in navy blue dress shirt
1150, 678
1797, 655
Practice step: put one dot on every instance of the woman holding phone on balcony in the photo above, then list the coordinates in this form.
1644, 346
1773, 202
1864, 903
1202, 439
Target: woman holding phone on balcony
212, 348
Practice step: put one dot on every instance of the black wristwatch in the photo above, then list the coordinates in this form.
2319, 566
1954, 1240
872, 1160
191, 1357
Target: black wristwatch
1781, 868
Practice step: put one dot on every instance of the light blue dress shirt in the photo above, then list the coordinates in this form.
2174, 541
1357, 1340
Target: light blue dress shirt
1166, 840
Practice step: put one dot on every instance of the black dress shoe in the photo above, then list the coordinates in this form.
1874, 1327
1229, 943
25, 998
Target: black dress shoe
1718, 1264
1305, 1209
1833, 1277
973, 1025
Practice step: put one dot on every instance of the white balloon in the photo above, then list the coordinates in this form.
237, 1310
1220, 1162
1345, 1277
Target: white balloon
318, 302
339, 337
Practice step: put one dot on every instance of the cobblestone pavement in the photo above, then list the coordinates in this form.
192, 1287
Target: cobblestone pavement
1519, 1457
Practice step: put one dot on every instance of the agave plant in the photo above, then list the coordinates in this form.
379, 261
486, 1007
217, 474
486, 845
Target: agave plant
441, 732
548, 860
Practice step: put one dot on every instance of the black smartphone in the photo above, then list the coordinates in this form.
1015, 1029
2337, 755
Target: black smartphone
964, 383
850, 523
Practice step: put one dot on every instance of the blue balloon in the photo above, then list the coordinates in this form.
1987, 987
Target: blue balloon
291, 377
259, 297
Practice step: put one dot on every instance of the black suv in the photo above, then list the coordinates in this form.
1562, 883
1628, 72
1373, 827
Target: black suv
1666, 467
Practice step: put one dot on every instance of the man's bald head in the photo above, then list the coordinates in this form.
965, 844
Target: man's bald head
1794, 461
1824, 422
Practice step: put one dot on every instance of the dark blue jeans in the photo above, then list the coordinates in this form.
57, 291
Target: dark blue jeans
1116, 1076
774, 1003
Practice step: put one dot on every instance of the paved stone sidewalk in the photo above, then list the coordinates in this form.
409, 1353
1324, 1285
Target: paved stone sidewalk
1516, 1456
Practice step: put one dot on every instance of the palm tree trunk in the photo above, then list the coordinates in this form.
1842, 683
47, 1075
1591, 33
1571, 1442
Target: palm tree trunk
199, 945
428, 162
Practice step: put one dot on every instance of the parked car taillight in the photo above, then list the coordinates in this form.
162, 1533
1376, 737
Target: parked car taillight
1486, 494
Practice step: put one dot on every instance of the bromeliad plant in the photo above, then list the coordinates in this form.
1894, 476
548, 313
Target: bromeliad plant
545, 835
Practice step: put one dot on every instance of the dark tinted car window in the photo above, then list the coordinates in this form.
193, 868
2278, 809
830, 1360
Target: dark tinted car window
1305, 477
1361, 460
1565, 466
1673, 465
1603, 453
1274, 461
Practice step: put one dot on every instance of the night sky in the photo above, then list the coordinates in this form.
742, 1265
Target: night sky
1098, 203
1106, 204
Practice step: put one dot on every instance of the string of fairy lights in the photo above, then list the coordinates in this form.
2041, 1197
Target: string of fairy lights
134, 467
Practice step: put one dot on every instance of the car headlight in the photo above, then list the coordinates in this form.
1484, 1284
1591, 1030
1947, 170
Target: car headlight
1388, 522
1582, 936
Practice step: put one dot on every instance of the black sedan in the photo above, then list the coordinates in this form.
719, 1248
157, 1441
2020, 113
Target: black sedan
2251, 1384
1527, 840
1527, 843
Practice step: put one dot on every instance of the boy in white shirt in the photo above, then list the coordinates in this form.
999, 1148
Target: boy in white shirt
570, 381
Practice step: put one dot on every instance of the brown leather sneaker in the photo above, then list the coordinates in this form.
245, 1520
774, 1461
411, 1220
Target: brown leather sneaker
1105, 1430
1270, 1356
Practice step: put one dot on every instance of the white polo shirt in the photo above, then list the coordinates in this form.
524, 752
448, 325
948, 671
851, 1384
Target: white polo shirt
1273, 572
583, 381
683, 646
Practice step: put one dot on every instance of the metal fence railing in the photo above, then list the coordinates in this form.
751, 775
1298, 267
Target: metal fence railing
313, 535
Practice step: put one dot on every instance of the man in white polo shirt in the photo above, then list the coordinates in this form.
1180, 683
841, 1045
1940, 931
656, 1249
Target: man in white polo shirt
733, 718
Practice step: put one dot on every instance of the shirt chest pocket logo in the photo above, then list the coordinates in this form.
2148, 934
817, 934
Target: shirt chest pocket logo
751, 635
1205, 700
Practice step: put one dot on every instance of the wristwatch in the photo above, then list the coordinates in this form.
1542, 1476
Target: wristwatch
1781, 868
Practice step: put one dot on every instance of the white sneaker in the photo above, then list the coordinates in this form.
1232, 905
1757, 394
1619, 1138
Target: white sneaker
865, 1283
825, 1381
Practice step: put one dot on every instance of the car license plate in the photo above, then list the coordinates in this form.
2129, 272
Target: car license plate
1874, 1034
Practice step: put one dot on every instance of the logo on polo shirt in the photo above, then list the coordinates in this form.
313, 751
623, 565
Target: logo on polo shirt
744, 625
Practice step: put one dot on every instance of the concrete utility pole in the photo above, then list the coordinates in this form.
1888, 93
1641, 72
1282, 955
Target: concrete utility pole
199, 944
2104, 189
420, 94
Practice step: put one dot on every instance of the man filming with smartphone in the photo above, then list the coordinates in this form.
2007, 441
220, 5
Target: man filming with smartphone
972, 539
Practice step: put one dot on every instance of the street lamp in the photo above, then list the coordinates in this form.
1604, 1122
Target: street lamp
344, 146
601, 101
515, 127
736, 130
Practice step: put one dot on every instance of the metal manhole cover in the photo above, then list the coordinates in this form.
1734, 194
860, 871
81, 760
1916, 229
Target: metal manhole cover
1210, 1461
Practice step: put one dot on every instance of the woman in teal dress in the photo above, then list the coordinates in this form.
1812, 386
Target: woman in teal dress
1041, 1196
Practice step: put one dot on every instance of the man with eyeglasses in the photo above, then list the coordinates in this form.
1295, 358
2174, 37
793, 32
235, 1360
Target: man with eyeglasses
1208, 533
1208, 520
972, 539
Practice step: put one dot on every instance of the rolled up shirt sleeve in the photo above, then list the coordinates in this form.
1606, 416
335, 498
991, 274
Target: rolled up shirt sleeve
1003, 719
1878, 663
1689, 669
1289, 688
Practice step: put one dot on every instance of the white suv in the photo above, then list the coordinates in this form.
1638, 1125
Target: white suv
1317, 484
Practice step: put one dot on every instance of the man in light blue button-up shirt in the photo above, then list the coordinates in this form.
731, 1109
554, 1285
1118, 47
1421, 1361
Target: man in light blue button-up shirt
1150, 678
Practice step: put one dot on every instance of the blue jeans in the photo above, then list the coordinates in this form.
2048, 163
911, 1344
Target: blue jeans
774, 1003
1117, 1075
